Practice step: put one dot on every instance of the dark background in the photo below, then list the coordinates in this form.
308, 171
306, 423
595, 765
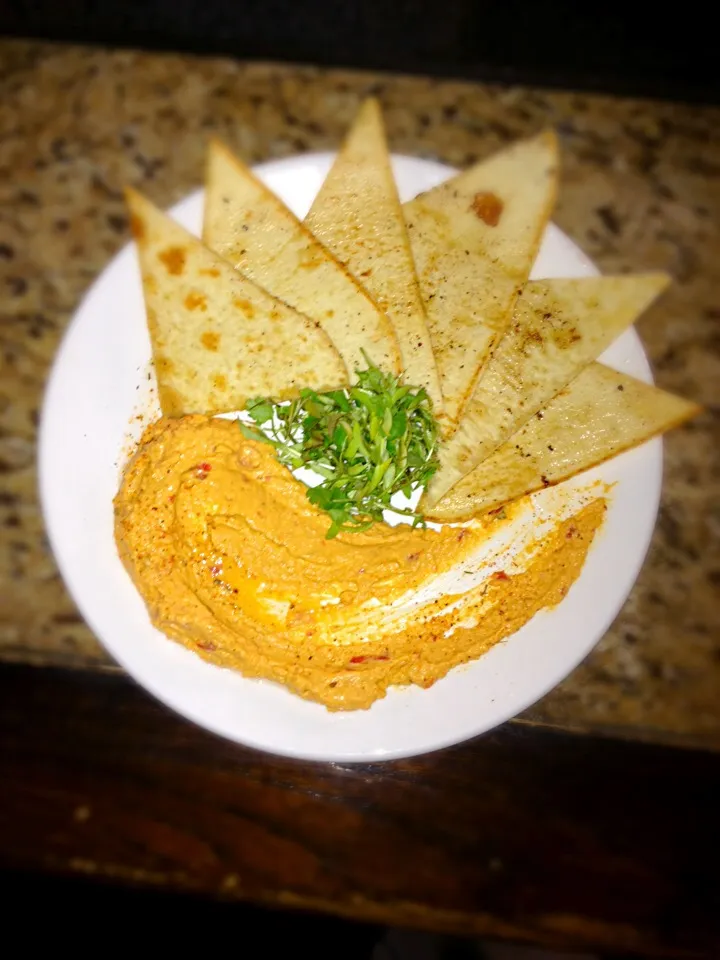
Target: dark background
632, 48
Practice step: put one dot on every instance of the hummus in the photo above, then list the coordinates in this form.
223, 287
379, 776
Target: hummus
232, 561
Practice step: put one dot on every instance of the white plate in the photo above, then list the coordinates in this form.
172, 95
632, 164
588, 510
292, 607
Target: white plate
99, 373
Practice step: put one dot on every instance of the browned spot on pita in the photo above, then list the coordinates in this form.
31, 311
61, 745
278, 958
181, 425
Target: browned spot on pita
247, 308
195, 301
210, 340
164, 364
219, 381
564, 337
210, 272
137, 226
171, 402
488, 208
174, 260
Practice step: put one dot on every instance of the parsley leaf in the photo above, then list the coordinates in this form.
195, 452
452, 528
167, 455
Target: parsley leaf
367, 442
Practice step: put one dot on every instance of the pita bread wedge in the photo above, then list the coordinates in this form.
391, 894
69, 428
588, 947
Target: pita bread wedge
601, 414
217, 338
474, 239
558, 327
357, 215
253, 229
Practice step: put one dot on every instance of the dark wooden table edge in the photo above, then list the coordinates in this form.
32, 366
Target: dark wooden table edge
527, 833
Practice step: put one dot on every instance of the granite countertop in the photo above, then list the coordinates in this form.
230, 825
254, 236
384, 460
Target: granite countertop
640, 191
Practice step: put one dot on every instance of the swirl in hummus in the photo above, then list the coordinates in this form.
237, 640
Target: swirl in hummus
232, 561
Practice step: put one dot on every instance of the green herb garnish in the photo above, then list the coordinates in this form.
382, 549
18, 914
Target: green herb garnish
367, 442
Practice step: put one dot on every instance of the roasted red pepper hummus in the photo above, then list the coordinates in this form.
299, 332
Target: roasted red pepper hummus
232, 562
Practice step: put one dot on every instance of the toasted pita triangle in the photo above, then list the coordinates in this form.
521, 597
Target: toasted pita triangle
558, 327
474, 239
601, 414
217, 336
358, 216
253, 229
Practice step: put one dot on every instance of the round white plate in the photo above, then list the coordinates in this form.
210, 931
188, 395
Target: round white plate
99, 374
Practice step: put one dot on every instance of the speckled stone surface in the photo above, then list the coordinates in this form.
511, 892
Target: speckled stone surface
640, 190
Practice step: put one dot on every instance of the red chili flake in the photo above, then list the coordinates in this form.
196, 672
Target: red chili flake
203, 469
413, 556
206, 645
171, 498
500, 575
570, 533
215, 569
462, 534
364, 659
